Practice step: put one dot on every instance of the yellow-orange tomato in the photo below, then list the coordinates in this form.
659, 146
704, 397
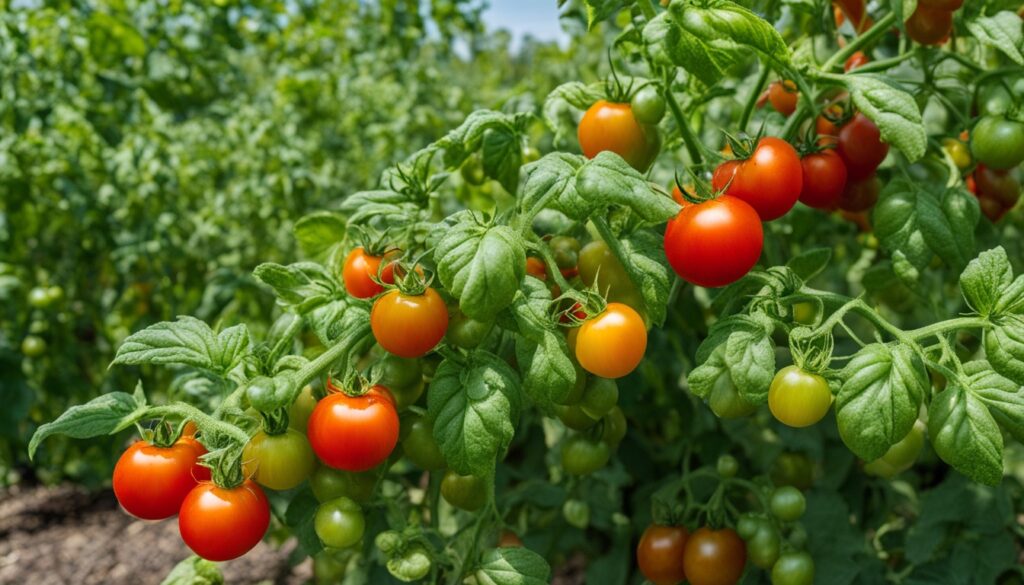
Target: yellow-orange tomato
612, 344
798, 398
613, 127
783, 96
409, 325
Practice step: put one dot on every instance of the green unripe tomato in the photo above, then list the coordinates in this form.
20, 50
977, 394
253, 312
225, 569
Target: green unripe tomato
54, 294
279, 462
726, 401
574, 417
465, 332
329, 484
339, 523
299, 411
798, 535
566, 250
764, 547
411, 565
578, 387
576, 513
901, 456
33, 346
38, 298
648, 105
466, 492
421, 448
615, 426
599, 397
998, 142
393, 371
788, 504
794, 469
793, 568
727, 466
581, 456
388, 541
747, 526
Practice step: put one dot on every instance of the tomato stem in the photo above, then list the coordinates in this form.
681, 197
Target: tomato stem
879, 28
693, 146
748, 108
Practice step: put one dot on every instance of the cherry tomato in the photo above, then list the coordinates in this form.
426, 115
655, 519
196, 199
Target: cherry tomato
770, 180
301, 408
727, 402
354, 433
339, 523
38, 298
764, 546
855, 12
958, 152
466, 492
409, 326
714, 557
566, 251
825, 124
824, 179
535, 268
598, 263
360, 270
660, 554
581, 456
613, 127
279, 462
714, 243
929, 26
901, 456
783, 96
648, 105
615, 426
858, 59
33, 346
573, 417
860, 195
329, 483
998, 142
793, 568
151, 482
398, 372
420, 447
599, 397
787, 504
727, 466
798, 398
612, 344
861, 148
997, 191
220, 524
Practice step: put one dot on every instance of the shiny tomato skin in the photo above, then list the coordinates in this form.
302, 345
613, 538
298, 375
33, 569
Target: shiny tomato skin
798, 398
354, 433
824, 179
860, 195
660, 554
770, 180
359, 271
861, 148
151, 482
783, 96
278, 462
409, 326
930, 26
613, 127
714, 243
221, 524
612, 344
714, 557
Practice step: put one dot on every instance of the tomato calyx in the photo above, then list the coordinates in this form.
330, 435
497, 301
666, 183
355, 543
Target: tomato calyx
164, 433
410, 279
274, 422
811, 350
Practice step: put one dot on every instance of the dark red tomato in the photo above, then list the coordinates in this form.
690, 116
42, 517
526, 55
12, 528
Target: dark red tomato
860, 195
409, 326
714, 557
783, 96
714, 243
770, 180
660, 554
150, 482
824, 179
949, 5
354, 433
359, 271
535, 268
999, 185
858, 59
861, 148
610, 126
930, 26
221, 524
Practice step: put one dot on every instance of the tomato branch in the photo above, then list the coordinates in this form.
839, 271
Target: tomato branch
879, 28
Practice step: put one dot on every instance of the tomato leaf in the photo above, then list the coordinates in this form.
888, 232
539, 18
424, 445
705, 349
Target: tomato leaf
194, 571
551, 182
965, 435
742, 345
987, 283
645, 255
386, 209
104, 415
1002, 31
301, 286
598, 10
883, 388
892, 109
481, 265
300, 516
512, 566
319, 232
541, 351
1004, 398
608, 179
459, 143
502, 154
810, 263
187, 341
1004, 346
473, 406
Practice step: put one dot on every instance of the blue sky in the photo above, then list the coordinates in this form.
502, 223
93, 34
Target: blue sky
536, 17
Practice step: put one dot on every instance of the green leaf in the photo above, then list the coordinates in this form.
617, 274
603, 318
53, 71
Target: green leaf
1004, 398
459, 143
573, 94
473, 407
1003, 31
481, 265
301, 286
965, 435
187, 341
644, 251
194, 571
892, 109
810, 263
551, 182
708, 37
1004, 346
985, 279
512, 566
502, 156
542, 352
299, 517
103, 415
318, 232
746, 350
608, 179
386, 209
331, 320
882, 390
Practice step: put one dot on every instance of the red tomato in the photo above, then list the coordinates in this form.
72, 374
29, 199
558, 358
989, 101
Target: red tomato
612, 344
535, 267
824, 179
221, 524
855, 12
714, 557
930, 26
409, 326
858, 59
770, 180
359, 271
861, 148
660, 554
825, 125
354, 433
714, 243
783, 96
150, 482
860, 195
611, 126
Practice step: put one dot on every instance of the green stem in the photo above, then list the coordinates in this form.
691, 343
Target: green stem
693, 145
616, 247
205, 422
549, 264
880, 28
748, 108
287, 337
883, 64
353, 339
942, 327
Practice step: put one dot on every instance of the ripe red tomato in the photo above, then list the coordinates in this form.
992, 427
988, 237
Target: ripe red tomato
354, 433
535, 268
359, 271
770, 180
612, 344
714, 557
714, 243
861, 148
824, 179
409, 326
220, 524
860, 195
150, 482
930, 26
611, 126
825, 124
858, 59
660, 554
783, 96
